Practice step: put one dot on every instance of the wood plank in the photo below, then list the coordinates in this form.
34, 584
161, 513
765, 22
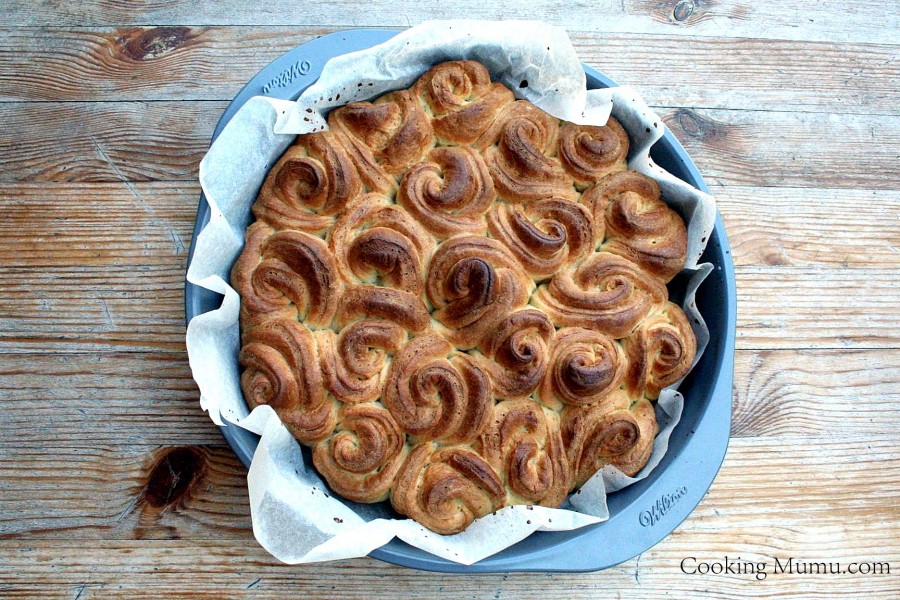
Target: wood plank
138, 63
165, 141
112, 224
128, 398
133, 141
857, 20
103, 397
231, 570
829, 393
818, 308
110, 492
788, 149
150, 223
92, 308
213, 63
811, 227
202, 540
171, 492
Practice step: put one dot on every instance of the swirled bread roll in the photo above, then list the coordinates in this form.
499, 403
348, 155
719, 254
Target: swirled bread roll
377, 242
449, 192
362, 457
435, 396
394, 128
285, 274
354, 361
462, 100
523, 441
459, 301
473, 283
585, 367
310, 183
514, 353
445, 489
280, 368
520, 150
605, 292
591, 153
612, 433
638, 225
544, 235
660, 351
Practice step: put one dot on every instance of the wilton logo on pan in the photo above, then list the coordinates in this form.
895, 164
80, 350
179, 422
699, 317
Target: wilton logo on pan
655, 513
298, 69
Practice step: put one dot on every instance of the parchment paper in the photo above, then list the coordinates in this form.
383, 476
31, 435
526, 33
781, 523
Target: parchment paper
294, 516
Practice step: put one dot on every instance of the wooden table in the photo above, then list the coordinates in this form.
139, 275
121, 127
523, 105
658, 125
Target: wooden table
113, 482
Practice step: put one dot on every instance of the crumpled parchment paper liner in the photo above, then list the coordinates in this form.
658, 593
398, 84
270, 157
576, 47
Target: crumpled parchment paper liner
294, 515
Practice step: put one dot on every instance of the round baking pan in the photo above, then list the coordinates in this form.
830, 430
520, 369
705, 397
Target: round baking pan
641, 514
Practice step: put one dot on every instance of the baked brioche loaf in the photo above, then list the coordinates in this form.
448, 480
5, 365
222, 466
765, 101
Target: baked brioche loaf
459, 301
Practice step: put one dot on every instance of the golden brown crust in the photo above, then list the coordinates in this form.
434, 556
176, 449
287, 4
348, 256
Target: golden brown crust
354, 361
473, 283
445, 489
591, 153
433, 395
397, 306
522, 442
638, 225
514, 353
520, 151
458, 301
605, 292
379, 243
394, 128
309, 184
613, 433
285, 274
362, 457
660, 352
544, 235
632, 461
449, 192
586, 367
280, 368
462, 99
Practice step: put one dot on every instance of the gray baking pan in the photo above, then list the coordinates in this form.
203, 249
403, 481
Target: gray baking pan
640, 515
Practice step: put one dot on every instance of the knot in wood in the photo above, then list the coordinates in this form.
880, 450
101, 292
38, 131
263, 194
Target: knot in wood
683, 10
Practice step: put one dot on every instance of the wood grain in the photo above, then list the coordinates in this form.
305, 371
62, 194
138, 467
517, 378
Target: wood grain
92, 308
172, 492
83, 539
138, 63
811, 227
853, 21
789, 149
100, 397
111, 224
157, 568
820, 308
138, 141
213, 63
134, 492
105, 141
833, 393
